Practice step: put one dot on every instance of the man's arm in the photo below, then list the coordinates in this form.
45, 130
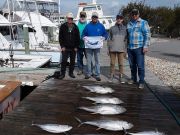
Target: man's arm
77, 37
146, 34
61, 37
105, 34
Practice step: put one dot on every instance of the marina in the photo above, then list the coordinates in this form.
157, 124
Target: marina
34, 101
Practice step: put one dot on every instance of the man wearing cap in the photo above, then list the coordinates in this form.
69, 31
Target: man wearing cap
94, 30
116, 47
69, 39
81, 49
138, 41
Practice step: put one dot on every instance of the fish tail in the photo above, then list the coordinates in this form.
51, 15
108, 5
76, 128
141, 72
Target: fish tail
81, 123
125, 132
32, 124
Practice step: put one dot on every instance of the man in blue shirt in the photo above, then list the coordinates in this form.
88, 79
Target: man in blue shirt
138, 32
94, 29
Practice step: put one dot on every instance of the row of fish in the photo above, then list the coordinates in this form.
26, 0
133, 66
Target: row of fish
105, 106
109, 106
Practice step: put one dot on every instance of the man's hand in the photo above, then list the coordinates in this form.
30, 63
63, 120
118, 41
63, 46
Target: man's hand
125, 55
108, 53
145, 50
63, 49
75, 49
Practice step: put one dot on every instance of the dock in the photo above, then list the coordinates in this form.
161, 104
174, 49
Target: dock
56, 102
9, 96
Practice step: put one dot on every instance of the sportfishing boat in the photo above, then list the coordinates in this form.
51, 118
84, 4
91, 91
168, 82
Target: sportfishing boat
89, 8
41, 30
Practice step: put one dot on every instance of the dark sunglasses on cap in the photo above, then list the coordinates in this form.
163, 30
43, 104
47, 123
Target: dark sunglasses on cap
94, 17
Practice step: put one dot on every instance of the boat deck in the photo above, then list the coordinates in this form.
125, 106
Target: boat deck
57, 101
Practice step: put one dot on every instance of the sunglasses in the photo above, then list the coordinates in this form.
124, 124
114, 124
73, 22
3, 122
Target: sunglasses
94, 17
134, 14
121, 18
82, 16
70, 19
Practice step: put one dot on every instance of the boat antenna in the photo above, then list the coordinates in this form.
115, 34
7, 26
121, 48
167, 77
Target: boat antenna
11, 50
94, 1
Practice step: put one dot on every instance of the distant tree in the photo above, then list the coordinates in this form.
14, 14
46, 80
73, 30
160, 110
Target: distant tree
174, 28
164, 18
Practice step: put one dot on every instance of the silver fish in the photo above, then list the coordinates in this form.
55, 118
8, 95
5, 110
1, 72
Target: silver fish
112, 125
105, 109
54, 128
99, 89
105, 100
146, 133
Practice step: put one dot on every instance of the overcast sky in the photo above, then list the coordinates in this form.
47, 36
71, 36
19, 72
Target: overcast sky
111, 7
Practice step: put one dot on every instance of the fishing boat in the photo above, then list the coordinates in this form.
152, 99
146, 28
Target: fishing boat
89, 8
42, 32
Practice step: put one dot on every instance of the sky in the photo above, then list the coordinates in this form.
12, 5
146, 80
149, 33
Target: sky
110, 7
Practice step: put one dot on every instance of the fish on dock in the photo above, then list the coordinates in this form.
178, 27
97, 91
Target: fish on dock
105, 100
99, 89
54, 128
105, 109
111, 125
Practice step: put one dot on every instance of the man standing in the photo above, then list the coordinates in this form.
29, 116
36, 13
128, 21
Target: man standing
81, 50
117, 47
94, 31
69, 41
138, 41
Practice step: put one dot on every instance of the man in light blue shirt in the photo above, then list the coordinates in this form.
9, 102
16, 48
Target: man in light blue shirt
138, 36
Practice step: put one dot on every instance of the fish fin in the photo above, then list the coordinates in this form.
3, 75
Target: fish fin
125, 132
94, 103
78, 119
98, 128
93, 113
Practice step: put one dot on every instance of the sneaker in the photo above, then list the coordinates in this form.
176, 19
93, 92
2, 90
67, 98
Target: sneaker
122, 80
111, 78
72, 75
98, 79
79, 72
61, 76
141, 86
87, 77
131, 81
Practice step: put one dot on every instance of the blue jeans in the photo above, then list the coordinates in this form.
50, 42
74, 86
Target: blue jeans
80, 55
90, 53
136, 61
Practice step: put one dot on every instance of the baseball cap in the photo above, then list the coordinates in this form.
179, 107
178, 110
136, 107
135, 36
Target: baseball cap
82, 13
135, 12
95, 14
69, 15
119, 16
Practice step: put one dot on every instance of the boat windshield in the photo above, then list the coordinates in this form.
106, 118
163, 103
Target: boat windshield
43, 7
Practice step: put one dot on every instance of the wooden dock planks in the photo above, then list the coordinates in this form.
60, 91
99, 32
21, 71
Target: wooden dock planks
56, 101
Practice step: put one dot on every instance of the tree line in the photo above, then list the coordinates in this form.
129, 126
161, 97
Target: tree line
162, 20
